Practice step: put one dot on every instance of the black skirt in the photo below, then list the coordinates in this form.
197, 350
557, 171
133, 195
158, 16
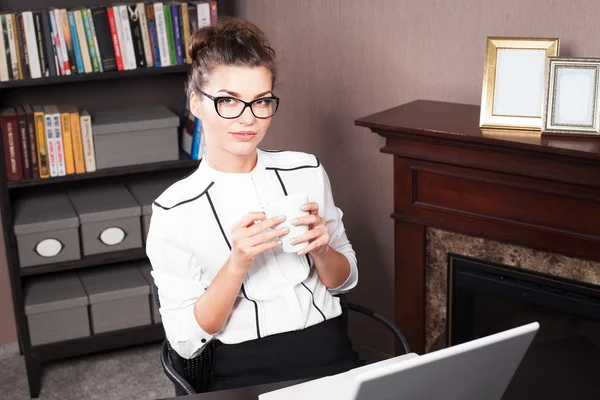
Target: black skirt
320, 350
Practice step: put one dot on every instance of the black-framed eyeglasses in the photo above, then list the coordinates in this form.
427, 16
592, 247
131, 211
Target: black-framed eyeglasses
230, 107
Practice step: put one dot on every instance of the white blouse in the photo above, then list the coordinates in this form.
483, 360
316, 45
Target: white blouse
189, 241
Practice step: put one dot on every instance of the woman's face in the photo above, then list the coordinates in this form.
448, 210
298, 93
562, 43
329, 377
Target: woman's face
238, 136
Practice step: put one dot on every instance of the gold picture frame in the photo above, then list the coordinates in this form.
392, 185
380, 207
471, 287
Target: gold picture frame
513, 82
572, 97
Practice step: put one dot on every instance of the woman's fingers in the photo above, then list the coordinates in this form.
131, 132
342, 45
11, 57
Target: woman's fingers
248, 220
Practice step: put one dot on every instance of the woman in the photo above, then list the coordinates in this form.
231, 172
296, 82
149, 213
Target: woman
217, 261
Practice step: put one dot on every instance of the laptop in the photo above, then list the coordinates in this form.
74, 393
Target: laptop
479, 369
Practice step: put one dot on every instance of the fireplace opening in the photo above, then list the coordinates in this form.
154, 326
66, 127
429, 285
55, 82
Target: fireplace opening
563, 361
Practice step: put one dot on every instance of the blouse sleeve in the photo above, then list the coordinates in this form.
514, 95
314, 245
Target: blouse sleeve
177, 277
337, 235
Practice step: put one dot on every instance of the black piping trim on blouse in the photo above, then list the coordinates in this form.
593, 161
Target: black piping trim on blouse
229, 245
281, 182
295, 168
186, 201
312, 296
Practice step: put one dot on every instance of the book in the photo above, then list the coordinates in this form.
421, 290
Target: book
170, 34
35, 66
4, 76
127, 42
141, 9
67, 139
77, 141
88, 140
45, 35
9, 37
56, 44
104, 37
185, 21
41, 141
51, 139
136, 36
95, 40
152, 34
85, 17
11, 145
31, 141
119, 27
177, 32
62, 47
161, 33
22, 44
75, 39
83, 44
115, 38
22, 129
65, 31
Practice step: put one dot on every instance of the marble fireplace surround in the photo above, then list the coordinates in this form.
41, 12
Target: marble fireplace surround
440, 243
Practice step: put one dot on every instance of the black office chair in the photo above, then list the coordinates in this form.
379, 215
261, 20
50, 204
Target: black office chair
193, 376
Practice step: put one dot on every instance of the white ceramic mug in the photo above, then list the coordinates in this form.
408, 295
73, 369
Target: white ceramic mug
290, 207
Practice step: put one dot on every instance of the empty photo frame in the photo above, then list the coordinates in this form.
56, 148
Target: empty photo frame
572, 97
513, 82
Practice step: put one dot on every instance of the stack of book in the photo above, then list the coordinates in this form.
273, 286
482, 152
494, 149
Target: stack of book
46, 141
59, 41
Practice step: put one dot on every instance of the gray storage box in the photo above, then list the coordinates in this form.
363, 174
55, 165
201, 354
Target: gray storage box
46, 227
109, 218
145, 268
118, 297
135, 136
145, 192
56, 308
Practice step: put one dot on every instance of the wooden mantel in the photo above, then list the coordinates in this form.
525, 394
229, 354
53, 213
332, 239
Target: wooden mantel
516, 187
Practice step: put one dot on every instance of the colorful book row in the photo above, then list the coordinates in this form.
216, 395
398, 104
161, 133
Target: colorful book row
46, 141
60, 41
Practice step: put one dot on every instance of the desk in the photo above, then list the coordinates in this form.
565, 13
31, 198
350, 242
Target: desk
246, 393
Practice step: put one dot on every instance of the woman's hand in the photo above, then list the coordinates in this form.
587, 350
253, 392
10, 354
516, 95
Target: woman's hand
317, 235
250, 238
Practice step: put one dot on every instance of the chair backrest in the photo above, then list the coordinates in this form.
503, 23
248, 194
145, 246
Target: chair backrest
196, 371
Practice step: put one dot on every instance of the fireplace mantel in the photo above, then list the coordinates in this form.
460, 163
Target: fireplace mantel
514, 187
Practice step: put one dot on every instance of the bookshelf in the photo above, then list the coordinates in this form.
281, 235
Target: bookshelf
93, 91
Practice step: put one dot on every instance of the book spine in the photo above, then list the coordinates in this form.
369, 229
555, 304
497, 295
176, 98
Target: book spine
88, 143
95, 39
65, 124
203, 15
42, 19
85, 17
50, 140
145, 36
32, 144
119, 26
185, 22
152, 34
170, 34
22, 126
77, 143
12, 47
56, 43
104, 39
59, 145
22, 41
136, 37
175, 10
62, 44
12, 159
128, 40
115, 37
214, 15
66, 34
76, 46
161, 31
35, 68
18, 45
85, 51
3, 65
196, 139
42, 147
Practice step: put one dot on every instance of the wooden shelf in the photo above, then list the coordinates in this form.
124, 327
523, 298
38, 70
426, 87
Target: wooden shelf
87, 261
98, 343
95, 76
183, 162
